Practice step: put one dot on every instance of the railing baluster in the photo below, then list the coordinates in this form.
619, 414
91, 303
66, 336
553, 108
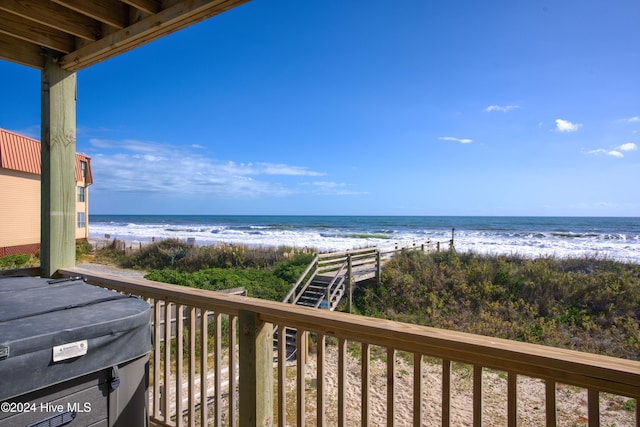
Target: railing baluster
446, 392
156, 358
342, 382
320, 403
167, 362
364, 389
192, 366
418, 389
477, 396
391, 385
179, 364
204, 368
233, 371
217, 365
512, 399
550, 402
301, 344
282, 373
593, 407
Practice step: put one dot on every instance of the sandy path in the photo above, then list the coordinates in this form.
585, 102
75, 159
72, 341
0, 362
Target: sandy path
571, 401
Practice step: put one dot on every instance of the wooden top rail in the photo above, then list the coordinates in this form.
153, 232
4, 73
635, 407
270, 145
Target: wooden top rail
608, 374
345, 253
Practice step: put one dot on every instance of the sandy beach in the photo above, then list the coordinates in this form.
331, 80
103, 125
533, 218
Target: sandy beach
571, 401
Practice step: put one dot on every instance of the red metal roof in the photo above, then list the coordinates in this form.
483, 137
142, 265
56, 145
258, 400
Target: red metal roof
21, 153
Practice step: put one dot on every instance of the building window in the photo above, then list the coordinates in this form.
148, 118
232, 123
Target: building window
83, 168
81, 194
82, 223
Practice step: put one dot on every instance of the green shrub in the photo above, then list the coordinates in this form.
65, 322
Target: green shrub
82, 249
258, 283
586, 304
164, 254
113, 253
14, 261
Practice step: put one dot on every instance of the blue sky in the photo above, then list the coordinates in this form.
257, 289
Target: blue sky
365, 108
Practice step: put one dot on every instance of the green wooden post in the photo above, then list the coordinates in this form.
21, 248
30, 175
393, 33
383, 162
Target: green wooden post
256, 370
58, 169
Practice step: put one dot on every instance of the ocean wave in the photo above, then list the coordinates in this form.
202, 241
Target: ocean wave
368, 236
528, 239
185, 230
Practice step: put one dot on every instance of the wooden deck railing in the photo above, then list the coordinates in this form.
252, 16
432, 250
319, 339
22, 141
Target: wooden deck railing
239, 383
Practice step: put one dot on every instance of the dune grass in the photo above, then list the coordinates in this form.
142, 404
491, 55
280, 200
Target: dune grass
588, 304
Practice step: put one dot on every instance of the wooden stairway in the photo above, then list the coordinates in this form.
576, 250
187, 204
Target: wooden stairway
321, 288
327, 278
315, 295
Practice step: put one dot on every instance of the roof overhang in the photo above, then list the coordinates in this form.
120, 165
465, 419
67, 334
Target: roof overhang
80, 33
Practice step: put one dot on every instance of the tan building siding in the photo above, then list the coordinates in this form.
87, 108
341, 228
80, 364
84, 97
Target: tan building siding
20, 194
82, 232
19, 208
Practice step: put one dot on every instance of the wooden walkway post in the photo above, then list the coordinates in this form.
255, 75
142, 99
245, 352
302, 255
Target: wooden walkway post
451, 246
349, 284
256, 370
58, 170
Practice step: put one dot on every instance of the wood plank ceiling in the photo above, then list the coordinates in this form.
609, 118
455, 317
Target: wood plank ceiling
80, 33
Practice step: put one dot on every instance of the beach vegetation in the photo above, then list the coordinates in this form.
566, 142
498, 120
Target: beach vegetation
112, 253
10, 262
258, 283
588, 304
177, 254
265, 273
83, 249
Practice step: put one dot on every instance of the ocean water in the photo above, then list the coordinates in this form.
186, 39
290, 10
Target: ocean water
614, 238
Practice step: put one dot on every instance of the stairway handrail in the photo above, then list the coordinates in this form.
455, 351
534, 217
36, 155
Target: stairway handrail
336, 291
293, 288
304, 288
332, 284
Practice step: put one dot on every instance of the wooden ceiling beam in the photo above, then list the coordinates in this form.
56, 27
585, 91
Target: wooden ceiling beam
54, 16
21, 52
176, 17
110, 12
148, 6
36, 33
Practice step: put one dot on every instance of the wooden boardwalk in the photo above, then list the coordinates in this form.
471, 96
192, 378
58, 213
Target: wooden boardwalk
331, 277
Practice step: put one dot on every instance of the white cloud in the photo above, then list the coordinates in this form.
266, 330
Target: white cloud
612, 153
567, 126
501, 108
282, 169
629, 146
616, 151
140, 166
634, 119
460, 140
